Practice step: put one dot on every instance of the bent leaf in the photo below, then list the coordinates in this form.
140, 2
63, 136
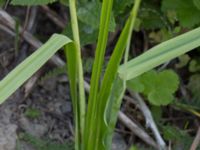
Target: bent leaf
160, 54
30, 65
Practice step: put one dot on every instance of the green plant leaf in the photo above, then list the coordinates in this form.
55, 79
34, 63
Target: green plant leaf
120, 7
89, 13
151, 16
160, 98
194, 65
109, 78
90, 127
194, 86
112, 109
197, 3
156, 86
136, 85
30, 65
32, 2
159, 54
187, 12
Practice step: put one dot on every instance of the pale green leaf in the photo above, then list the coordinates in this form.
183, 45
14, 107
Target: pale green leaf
30, 65
160, 54
136, 85
161, 97
168, 79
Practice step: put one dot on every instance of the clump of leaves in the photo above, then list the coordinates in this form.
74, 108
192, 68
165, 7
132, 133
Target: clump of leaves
159, 87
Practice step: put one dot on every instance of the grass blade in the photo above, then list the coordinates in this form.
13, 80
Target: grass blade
109, 77
72, 68
160, 54
118, 89
79, 101
96, 73
29, 66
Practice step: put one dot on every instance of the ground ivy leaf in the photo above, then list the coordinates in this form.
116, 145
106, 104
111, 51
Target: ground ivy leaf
136, 85
169, 80
159, 87
187, 13
89, 14
149, 80
160, 97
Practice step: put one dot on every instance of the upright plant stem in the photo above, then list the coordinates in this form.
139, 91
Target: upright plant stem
90, 128
134, 13
81, 103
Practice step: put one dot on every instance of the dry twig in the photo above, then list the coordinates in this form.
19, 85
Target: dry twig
196, 141
149, 120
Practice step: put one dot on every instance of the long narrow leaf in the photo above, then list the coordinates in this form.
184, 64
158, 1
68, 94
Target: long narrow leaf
160, 54
90, 128
110, 74
70, 54
118, 90
79, 101
29, 66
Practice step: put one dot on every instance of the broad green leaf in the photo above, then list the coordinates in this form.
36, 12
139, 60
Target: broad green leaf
32, 2
149, 81
187, 12
88, 35
168, 79
30, 65
160, 54
160, 98
156, 86
136, 85
151, 17
89, 13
